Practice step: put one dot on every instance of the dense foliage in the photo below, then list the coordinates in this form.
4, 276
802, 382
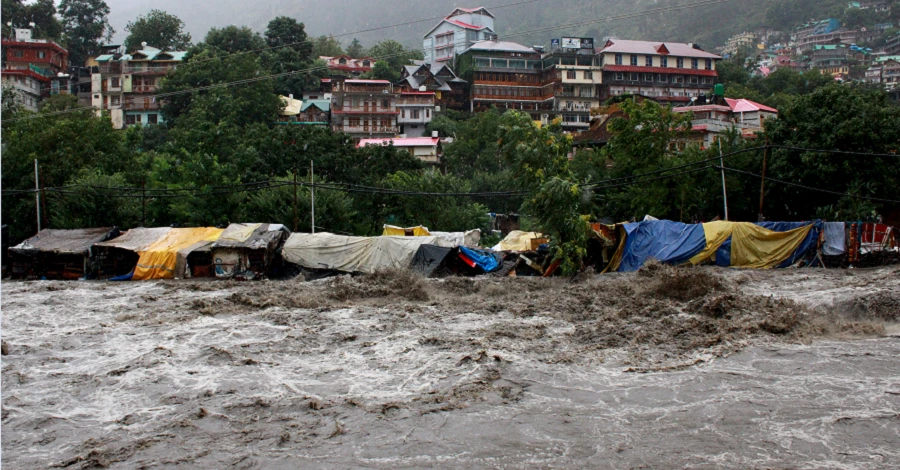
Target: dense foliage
158, 29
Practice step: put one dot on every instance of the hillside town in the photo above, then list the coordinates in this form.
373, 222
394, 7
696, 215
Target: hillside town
465, 67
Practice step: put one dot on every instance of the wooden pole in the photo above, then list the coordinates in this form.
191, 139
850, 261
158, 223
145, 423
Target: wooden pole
312, 196
37, 195
762, 185
724, 191
296, 216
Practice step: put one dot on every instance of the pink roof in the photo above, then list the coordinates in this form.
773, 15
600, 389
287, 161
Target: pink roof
677, 49
747, 106
401, 142
706, 107
379, 82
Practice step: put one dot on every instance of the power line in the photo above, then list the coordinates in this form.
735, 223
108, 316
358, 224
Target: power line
313, 69
836, 152
810, 188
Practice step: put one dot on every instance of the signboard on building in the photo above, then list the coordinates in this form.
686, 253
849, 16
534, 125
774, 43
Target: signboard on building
577, 43
554, 43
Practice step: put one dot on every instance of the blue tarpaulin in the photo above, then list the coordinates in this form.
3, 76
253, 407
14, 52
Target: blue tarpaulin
486, 260
666, 241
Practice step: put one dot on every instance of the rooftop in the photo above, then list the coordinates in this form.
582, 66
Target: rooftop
652, 48
500, 46
401, 141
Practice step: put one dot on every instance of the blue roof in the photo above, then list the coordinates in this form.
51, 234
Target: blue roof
324, 105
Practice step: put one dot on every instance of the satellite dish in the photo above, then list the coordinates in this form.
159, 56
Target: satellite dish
31, 23
144, 43
9, 23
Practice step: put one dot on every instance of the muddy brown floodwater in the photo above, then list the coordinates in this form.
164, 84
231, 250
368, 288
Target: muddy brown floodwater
665, 368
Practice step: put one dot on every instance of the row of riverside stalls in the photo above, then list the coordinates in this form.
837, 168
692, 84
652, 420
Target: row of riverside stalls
242, 251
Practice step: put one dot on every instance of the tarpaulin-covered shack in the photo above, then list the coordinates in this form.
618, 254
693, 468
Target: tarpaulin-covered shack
157, 253
58, 254
247, 250
326, 251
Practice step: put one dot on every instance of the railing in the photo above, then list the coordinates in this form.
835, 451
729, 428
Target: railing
111, 68
366, 130
40, 71
141, 106
416, 102
147, 70
144, 89
512, 98
375, 89
363, 110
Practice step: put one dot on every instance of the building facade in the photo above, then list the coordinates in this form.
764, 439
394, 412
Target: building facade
509, 76
739, 42
576, 86
364, 108
426, 149
125, 85
450, 91
665, 72
34, 68
416, 111
349, 65
456, 33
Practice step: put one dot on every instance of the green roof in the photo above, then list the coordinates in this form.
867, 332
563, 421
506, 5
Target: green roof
324, 105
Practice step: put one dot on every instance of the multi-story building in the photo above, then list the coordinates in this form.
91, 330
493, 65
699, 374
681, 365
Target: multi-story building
809, 43
456, 33
125, 84
426, 149
34, 68
815, 27
509, 76
364, 108
890, 74
712, 120
450, 91
873, 73
877, 5
739, 42
348, 65
892, 46
416, 111
831, 59
577, 76
665, 72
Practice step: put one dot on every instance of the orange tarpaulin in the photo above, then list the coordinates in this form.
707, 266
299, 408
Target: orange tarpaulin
166, 258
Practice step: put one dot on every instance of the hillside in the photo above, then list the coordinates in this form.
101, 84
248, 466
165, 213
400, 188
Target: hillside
709, 26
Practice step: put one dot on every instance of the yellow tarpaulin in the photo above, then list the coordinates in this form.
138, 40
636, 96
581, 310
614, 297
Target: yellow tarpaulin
518, 240
755, 247
238, 233
717, 233
393, 231
159, 260
752, 246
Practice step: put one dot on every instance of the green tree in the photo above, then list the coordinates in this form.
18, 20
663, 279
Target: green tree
41, 12
394, 54
449, 214
231, 39
356, 49
85, 24
334, 209
290, 54
158, 29
383, 71
326, 46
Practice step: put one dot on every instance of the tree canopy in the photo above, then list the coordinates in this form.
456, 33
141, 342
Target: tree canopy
158, 29
85, 24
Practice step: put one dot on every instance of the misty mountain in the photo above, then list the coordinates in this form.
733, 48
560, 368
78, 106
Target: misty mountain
709, 25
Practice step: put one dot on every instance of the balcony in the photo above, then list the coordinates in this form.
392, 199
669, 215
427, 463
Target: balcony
144, 89
484, 96
429, 101
137, 70
365, 111
364, 89
366, 130
141, 106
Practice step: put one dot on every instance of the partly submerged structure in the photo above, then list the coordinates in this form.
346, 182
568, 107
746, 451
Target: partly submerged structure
58, 254
326, 251
247, 251
158, 253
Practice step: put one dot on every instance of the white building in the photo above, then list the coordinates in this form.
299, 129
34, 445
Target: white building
457, 32
426, 149
416, 111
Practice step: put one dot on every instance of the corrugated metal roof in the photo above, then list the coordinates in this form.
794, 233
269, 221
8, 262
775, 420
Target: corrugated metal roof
651, 48
324, 105
746, 106
500, 46
77, 241
401, 142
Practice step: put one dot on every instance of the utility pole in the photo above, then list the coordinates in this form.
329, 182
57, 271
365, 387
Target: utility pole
724, 191
312, 195
296, 216
762, 185
37, 194
144, 202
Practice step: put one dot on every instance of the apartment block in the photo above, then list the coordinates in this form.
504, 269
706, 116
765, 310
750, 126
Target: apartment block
456, 33
364, 108
34, 68
577, 75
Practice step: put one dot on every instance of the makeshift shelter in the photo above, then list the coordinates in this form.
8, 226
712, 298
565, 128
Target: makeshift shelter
328, 251
736, 244
518, 240
430, 258
247, 250
469, 238
158, 253
58, 254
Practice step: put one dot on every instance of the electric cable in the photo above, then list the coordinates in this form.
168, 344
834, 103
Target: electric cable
810, 188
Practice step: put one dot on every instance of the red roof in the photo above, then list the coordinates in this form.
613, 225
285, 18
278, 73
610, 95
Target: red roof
652, 48
465, 25
417, 93
639, 69
369, 82
401, 142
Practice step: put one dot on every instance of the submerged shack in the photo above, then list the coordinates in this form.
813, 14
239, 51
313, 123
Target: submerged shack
248, 251
58, 254
158, 253
329, 252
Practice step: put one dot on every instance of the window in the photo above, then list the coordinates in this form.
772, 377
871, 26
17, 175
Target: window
678, 79
517, 64
414, 114
694, 64
342, 61
694, 79
679, 63
664, 62
137, 119
618, 59
129, 119
709, 64
589, 75
114, 100
648, 77
366, 63
386, 104
42, 54
633, 77
634, 60
152, 119
648, 61
427, 113
479, 62
19, 54
114, 82
662, 78
571, 75
620, 76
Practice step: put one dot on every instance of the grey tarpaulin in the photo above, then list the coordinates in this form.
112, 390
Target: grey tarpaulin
428, 258
835, 239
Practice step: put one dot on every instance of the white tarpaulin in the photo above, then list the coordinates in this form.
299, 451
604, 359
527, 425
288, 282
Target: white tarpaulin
354, 254
471, 238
